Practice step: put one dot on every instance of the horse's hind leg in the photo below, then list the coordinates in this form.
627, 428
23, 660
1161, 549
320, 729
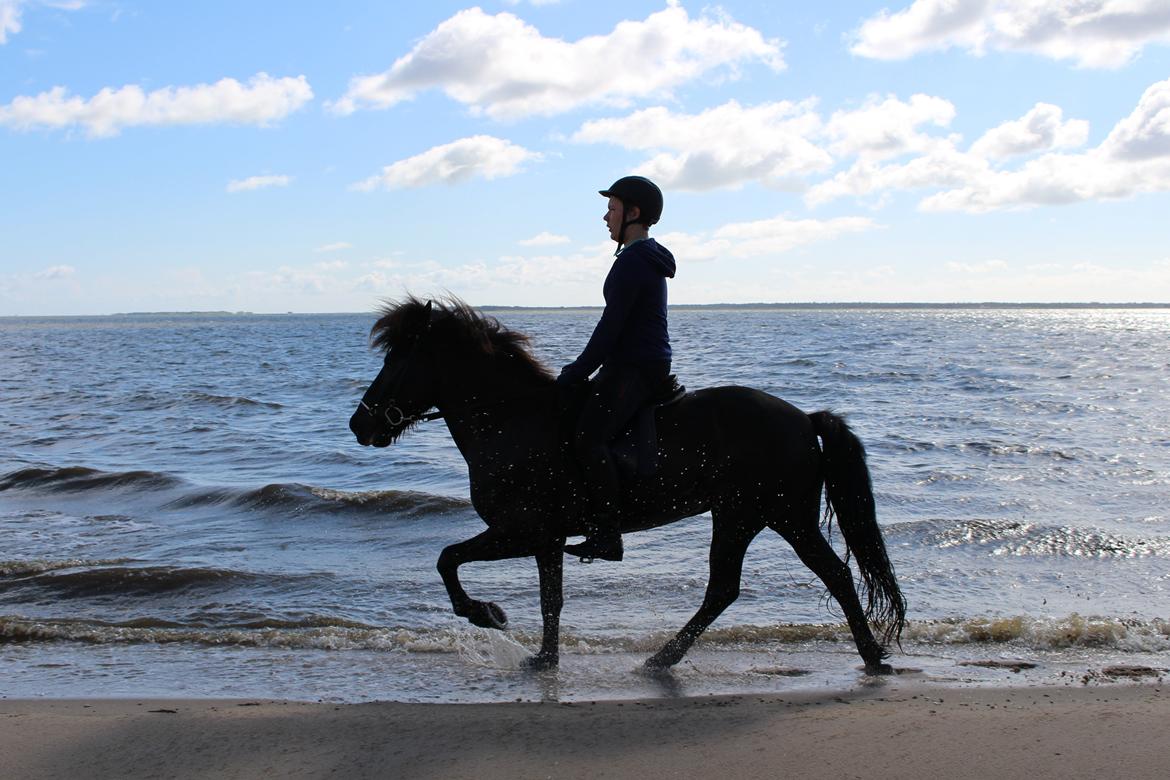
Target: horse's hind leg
818, 555
729, 543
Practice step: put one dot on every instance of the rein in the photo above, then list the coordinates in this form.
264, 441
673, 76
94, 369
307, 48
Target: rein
395, 416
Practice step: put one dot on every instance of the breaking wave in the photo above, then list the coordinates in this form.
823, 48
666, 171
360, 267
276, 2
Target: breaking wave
325, 633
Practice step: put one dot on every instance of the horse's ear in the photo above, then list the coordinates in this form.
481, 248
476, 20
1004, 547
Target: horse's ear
429, 309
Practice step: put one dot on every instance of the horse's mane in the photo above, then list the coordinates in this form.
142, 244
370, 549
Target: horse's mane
456, 321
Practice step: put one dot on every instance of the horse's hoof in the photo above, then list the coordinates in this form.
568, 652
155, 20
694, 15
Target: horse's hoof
485, 614
541, 662
879, 669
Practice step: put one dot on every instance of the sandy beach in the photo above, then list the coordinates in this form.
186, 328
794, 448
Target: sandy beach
894, 731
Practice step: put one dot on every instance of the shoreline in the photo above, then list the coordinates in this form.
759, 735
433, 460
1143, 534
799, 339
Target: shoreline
893, 729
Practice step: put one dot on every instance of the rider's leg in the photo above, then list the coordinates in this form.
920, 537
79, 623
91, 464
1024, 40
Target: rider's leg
618, 394
600, 422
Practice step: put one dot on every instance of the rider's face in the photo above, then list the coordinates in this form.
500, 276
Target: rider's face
613, 218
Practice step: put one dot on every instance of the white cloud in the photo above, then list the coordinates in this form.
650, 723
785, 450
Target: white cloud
886, 128
545, 239
761, 238
9, 19
1092, 33
262, 101
724, 146
780, 144
258, 182
334, 247
11, 12
1040, 130
1144, 134
1133, 159
503, 67
56, 272
941, 165
481, 156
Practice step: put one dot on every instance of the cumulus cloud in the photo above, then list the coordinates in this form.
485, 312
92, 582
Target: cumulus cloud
482, 156
262, 101
1132, 160
941, 165
724, 146
1091, 33
1144, 134
780, 144
545, 239
505, 68
887, 128
762, 238
258, 183
9, 19
1040, 130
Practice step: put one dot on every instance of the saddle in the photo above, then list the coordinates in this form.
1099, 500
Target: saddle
635, 450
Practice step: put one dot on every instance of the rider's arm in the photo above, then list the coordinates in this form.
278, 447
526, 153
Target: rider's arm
622, 290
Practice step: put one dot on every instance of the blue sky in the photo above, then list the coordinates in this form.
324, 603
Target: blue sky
272, 157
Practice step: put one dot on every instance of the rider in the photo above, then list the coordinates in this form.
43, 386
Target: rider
631, 346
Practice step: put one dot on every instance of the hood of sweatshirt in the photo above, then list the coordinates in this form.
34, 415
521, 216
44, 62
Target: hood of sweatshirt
658, 256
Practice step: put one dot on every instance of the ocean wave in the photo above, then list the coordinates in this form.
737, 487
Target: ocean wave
313, 634
151, 401
71, 479
295, 498
211, 399
25, 568
999, 448
1123, 635
292, 498
127, 580
1019, 538
1126, 634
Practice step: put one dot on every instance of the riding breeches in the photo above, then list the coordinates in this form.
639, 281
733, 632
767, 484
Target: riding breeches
616, 395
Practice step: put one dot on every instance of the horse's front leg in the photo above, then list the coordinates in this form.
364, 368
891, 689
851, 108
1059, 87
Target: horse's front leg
551, 564
487, 546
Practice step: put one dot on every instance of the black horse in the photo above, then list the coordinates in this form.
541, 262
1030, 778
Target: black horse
749, 458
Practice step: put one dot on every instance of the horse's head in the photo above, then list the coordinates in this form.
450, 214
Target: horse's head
405, 387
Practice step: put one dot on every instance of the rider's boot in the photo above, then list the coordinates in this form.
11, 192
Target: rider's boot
605, 537
605, 542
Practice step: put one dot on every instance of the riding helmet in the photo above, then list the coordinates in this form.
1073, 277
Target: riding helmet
638, 191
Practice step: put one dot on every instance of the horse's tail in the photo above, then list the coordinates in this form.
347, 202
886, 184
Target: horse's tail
850, 497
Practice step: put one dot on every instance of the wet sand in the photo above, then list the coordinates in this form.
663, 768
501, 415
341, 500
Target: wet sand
882, 732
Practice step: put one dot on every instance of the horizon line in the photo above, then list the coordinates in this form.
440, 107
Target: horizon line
677, 306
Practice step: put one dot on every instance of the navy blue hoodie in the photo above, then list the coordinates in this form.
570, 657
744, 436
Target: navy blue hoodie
632, 329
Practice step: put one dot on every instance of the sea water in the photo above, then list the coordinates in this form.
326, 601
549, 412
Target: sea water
183, 511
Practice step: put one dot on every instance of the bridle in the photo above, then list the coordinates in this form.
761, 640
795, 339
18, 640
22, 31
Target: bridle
389, 410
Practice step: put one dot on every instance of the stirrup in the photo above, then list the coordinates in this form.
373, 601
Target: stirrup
588, 553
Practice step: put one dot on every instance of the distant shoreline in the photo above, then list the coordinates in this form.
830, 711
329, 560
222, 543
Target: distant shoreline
808, 306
